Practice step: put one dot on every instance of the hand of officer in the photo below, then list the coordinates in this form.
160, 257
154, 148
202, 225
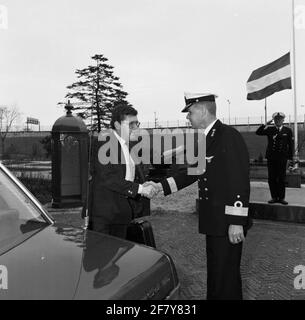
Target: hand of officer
236, 234
269, 122
158, 186
149, 191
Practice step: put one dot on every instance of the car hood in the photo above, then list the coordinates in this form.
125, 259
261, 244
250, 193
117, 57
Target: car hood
61, 262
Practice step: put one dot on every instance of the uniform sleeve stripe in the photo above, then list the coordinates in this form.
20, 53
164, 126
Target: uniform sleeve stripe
172, 184
236, 211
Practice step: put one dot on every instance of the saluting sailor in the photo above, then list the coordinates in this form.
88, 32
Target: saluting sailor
224, 190
279, 150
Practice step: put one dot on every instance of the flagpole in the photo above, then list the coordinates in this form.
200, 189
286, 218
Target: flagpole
265, 110
294, 94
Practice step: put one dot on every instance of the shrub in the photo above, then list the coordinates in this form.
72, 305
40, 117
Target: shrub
47, 145
41, 188
36, 153
10, 152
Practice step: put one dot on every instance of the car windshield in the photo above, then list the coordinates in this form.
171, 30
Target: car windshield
19, 216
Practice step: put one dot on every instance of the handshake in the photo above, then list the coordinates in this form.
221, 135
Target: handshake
151, 189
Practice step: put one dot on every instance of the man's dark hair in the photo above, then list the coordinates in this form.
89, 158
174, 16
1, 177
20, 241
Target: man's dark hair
120, 112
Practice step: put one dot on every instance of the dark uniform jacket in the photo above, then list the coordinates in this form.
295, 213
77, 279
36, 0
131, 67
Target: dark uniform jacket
114, 200
224, 188
280, 143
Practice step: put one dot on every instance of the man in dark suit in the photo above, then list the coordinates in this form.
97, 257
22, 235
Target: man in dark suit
118, 192
224, 190
279, 150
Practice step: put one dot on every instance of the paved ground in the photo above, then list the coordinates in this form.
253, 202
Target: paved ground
271, 251
260, 193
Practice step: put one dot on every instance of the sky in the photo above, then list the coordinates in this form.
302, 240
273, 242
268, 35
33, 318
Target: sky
159, 49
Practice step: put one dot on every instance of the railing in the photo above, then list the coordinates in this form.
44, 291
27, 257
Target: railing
22, 128
235, 121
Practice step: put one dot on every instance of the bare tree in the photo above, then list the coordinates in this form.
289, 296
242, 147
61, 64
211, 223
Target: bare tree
8, 116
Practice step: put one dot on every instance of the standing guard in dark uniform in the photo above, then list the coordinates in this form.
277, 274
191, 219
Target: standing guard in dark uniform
279, 150
224, 190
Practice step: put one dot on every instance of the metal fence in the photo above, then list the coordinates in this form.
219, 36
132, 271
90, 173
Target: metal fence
22, 128
240, 121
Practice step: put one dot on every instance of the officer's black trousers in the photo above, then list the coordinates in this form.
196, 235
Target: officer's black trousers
223, 268
277, 177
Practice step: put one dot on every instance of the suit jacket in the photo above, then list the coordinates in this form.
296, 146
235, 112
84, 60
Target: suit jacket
114, 200
280, 143
224, 187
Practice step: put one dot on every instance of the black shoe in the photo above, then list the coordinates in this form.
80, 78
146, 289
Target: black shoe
272, 201
282, 201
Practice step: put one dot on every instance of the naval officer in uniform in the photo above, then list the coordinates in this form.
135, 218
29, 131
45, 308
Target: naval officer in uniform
224, 190
279, 150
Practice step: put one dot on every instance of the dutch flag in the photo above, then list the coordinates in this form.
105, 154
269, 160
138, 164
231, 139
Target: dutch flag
274, 77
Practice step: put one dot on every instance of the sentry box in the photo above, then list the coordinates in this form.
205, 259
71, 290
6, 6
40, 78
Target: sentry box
69, 161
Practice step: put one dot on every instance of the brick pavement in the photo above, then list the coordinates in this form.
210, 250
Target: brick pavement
271, 251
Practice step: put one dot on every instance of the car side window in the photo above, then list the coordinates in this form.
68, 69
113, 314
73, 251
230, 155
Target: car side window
18, 215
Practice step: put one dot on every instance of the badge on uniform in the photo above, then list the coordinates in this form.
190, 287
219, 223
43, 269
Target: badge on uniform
209, 159
213, 133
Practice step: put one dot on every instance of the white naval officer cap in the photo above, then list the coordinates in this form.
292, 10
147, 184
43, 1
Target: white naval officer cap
191, 98
278, 115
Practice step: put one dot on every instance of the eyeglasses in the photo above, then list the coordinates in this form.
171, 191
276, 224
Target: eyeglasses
133, 124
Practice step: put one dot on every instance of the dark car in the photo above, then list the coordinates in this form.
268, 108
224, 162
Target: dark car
40, 259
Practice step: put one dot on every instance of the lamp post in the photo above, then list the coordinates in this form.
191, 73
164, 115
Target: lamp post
302, 106
156, 119
229, 104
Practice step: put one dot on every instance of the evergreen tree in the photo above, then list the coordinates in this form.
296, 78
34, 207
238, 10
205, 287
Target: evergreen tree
97, 92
